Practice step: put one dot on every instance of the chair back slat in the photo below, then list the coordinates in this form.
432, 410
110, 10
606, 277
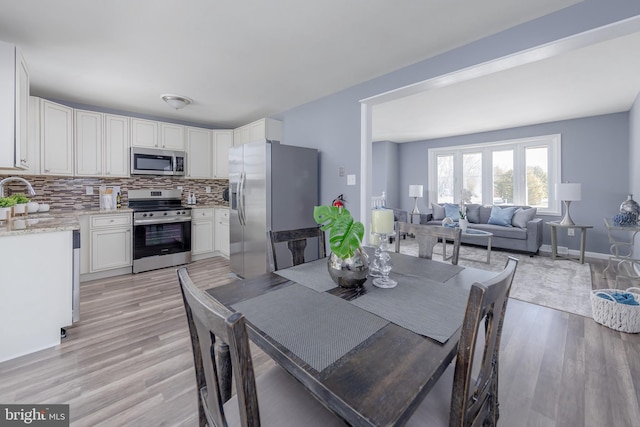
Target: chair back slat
476, 403
296, 242
428, 236
210, 322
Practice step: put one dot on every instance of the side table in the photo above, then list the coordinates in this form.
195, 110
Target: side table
618, 246
554, 238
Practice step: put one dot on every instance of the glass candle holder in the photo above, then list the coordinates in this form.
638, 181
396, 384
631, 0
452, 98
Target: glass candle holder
382, 264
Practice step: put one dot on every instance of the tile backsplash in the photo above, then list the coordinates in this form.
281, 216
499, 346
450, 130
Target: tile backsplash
69, 193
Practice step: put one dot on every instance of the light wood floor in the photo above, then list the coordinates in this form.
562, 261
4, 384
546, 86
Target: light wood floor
128, 361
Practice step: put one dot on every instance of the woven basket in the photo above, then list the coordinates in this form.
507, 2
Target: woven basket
608, 312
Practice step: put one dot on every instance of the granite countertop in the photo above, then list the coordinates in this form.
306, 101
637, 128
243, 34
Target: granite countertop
47, 222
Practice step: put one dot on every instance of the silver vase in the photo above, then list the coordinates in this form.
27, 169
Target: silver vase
350, 272
630, 206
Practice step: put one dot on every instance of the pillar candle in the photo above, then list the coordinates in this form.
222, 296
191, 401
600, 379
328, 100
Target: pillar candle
382, 221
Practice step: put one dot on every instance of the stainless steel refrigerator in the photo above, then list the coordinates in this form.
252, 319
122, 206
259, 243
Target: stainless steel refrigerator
272, 187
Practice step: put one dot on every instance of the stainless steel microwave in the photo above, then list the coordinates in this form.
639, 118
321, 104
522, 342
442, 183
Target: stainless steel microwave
151, 161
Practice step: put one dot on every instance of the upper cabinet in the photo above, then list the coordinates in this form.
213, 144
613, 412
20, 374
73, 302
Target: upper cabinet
259, 130
56, 138
101, 145
199, 153
171, 136
116, 145
14, 108
152, 134
144, 133
222, 140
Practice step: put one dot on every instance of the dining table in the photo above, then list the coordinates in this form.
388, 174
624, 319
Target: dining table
370, 355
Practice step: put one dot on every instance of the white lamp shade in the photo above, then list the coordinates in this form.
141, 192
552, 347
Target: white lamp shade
415, 191
568, 192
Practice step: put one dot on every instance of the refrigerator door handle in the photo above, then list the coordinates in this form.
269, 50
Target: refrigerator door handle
241, 213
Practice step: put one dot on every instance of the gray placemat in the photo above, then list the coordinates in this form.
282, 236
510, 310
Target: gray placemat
423, 306
314, 275
414, 266
319, 328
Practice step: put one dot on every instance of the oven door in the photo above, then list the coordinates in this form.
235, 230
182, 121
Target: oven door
159, 245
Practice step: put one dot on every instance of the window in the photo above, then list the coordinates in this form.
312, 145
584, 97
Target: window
514, 172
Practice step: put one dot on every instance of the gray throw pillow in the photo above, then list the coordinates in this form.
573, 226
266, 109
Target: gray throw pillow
523, 216
437, 211
473, 213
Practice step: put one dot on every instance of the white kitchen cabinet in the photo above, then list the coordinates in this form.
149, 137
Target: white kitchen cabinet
222, 230
199, 153
202, 233
110, 241
171, 136
89, 143
33, 141
14, 108
259, 130
56, 139
144, 133
101, 144
116, 145
222, 140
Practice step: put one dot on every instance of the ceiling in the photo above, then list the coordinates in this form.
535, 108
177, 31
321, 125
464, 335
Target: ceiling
238, 60
602, 78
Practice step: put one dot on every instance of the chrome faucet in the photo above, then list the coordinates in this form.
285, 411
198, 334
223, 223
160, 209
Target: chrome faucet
16, 178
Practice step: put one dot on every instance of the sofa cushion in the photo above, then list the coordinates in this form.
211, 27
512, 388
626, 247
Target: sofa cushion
437, 211
522, 216
502, 231
485, 213
501, 216
452, 211
473, 213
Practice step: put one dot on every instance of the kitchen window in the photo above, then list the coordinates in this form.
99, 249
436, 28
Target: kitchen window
513, 172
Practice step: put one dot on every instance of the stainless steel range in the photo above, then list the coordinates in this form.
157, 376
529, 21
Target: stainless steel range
161, 229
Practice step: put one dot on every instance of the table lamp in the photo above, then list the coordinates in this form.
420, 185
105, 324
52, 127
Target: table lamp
415, 191
568, 192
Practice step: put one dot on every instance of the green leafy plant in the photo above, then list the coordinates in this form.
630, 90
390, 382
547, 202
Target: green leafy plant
19, 198
7, 202
463, 211
345, 234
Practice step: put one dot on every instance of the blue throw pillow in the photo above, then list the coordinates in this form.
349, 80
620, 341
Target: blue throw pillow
452, 211
501, 216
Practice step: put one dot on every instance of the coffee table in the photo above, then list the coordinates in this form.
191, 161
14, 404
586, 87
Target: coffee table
476, 237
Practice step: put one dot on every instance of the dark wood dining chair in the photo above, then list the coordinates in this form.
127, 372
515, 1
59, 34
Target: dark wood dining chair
428, 236
458, 399
296, 241
274, 398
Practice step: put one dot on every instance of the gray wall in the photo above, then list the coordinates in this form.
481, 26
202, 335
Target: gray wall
634, 157
332, 123
385, 172
594, 153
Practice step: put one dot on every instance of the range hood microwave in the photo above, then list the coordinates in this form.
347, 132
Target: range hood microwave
151, 161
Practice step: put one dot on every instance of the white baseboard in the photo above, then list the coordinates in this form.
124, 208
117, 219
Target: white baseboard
563, 250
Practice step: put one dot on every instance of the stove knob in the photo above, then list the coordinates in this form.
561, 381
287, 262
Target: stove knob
178, 213
184, 213
165, 214
144, 215
150, 214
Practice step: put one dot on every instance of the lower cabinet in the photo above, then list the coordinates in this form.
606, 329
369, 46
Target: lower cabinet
209, 232
202, 230
222, 231
106, 243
